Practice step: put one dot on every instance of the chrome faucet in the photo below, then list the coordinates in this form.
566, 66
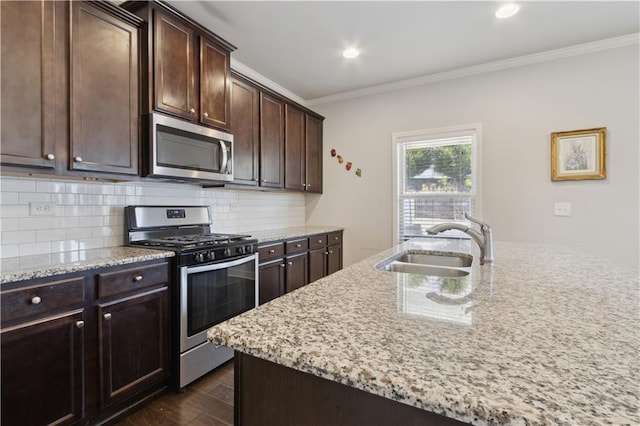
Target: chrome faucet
482, 238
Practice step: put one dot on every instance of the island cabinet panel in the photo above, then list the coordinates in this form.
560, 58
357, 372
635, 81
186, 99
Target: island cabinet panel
313, 154
245, 127
28, 83
133, 344
104, 92
271, 142
174, 66
294, 177
270, 394
215, 84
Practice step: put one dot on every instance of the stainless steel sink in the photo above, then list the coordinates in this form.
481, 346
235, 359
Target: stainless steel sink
413, 268
458, 260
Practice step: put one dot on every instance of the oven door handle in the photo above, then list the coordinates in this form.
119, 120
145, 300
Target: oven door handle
221, 265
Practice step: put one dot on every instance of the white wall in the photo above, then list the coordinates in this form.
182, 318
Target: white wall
91, 215
518, 109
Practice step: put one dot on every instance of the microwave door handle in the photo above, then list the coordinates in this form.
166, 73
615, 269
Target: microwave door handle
223, 163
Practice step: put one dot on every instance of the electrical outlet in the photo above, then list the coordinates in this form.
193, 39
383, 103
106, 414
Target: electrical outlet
40, 208
562, 209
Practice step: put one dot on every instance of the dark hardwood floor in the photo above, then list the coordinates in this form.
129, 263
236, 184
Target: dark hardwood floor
207, 401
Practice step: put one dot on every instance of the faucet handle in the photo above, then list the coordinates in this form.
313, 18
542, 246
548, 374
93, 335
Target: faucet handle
483, 225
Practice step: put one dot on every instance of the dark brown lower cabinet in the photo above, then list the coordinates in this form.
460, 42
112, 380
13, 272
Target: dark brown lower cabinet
317, 264
271, 280
42, 371
296, 272
270, 394
132, 356
334, 258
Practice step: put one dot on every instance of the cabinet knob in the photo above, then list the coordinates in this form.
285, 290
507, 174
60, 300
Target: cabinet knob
192, 110
79, 324
308, 185
289, 263
330, 251
264, 180
35, 300
336, 238
272, 251
137, 278
319, 241
50, 157
298, 245
107, 316
326, 252
77, 159
282, 265
206, 114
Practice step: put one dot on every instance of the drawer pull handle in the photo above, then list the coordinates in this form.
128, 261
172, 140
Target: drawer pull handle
137, 278
319, 241
79, 324
272, 251
35, 300
282, 265
206, 114
107, 316
298, 245
192, 110
289, 263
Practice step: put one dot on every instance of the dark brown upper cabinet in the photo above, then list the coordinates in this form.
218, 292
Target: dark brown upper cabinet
188, 66
271, 141
70, 88
313, 154
245, 127
294, 176
104, 92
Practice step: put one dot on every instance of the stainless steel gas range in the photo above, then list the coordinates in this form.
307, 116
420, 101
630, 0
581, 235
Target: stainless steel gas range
215, 278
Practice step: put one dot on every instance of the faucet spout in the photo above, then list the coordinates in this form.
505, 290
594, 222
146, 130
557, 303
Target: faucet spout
482, 238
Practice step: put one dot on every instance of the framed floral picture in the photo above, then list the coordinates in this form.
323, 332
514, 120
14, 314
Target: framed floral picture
578, 154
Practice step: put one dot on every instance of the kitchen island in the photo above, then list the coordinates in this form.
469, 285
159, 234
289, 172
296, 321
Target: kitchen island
544, 335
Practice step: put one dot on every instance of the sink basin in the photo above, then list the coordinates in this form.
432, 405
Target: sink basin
459, 260
413, 268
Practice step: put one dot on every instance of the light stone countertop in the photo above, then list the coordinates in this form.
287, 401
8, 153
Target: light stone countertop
543, 336
46, 265
293, 232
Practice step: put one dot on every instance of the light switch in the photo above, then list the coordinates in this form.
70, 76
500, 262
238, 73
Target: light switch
562, 209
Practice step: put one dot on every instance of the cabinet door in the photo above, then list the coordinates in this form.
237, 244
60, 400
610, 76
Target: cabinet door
313, 154
245, 127
214, 84
317, 264
294, 159
334, 258
42, 371
271, 281
271, 142
297, 272
104, 92
133, 344
27, 83
174, 71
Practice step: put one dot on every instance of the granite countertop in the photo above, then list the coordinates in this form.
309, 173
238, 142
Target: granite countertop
293, 232
28, 267
544, 335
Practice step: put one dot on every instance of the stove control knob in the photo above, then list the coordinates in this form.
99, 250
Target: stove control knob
240, 249
199, 257
248, 249
227, 252
211, 255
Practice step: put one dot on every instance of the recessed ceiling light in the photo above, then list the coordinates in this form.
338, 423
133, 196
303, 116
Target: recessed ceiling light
350, 53
507, 10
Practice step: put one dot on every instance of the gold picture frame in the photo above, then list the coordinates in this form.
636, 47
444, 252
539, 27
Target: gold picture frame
578, 154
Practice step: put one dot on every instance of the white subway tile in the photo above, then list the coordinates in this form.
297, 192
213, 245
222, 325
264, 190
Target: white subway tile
10, 224
14, 211
106, 231
113, 241
90, 243
89, 221
49, 186
78, 188
78, 233
27, 197
114, 200
125, 189
10, 250
8, 198
103, 189
50, 234
35, 248
64, 199
64, 222
64, 245
18, 237
86, 200
8, 184
78, 210
113, 220
104, 210
27, 223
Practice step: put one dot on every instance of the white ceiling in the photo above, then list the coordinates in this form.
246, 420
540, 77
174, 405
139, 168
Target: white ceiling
298, 44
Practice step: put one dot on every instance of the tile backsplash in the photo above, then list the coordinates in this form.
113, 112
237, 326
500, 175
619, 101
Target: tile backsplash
89, 215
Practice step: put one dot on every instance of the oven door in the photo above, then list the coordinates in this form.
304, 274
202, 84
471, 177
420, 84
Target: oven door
212, 293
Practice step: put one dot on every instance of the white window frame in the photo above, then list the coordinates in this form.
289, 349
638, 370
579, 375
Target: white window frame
427, 134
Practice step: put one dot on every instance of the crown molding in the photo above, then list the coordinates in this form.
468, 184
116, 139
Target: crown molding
551, 55
259, 78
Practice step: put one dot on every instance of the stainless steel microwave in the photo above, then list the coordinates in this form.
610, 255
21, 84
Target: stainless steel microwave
182, 150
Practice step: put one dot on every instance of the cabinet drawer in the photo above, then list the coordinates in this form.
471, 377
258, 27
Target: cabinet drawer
126, 280
317, 241
42, 298
334, 238
297, 246
270, 251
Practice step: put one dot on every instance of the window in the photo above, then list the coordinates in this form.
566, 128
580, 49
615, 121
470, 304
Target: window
436, 178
